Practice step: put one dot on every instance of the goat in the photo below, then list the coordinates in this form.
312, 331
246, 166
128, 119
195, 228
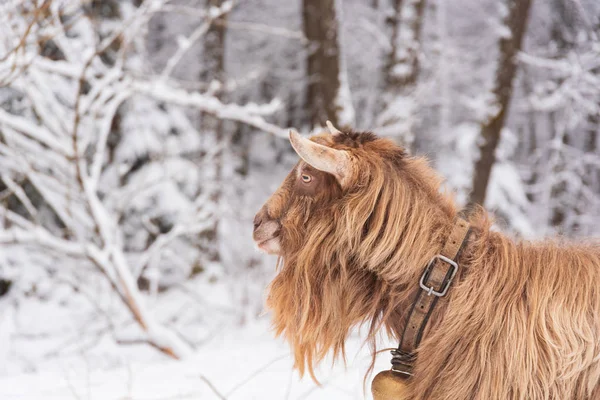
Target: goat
354, 224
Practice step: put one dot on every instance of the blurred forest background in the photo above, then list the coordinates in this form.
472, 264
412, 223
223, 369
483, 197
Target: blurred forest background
139, 137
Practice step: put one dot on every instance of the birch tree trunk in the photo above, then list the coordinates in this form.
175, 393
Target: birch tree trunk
509, 45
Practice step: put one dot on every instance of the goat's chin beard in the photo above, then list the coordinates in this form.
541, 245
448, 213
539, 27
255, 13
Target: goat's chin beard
308, 315
310, 338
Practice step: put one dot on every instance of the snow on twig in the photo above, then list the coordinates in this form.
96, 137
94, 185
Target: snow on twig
185, 45
250, 114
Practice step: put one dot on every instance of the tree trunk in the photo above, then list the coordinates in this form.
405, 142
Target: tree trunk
445, 110
591, 147
558, 190
323, 61
591, 177
401, 70
394, 21
516, 21
530, 136
594, 148
563, 33
413, 47
213, 73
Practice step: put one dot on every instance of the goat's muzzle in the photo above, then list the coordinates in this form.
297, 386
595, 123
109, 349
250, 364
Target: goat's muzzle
266, 233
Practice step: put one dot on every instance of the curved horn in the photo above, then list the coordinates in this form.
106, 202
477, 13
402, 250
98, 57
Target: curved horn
332, 129
323, 158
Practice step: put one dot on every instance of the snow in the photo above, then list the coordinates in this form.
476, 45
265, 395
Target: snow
38, 133
108, 208
251, 114
503, 31
239, 362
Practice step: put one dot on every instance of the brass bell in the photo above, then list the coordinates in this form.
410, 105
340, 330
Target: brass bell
389, 385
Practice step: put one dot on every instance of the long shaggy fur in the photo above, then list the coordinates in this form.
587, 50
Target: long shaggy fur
522, 320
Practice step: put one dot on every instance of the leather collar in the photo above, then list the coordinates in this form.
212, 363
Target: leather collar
433, 286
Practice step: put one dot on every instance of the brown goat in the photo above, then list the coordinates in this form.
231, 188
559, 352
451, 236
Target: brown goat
354, 225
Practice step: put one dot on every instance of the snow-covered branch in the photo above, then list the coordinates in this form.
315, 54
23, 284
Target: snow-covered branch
65, 151
250, 114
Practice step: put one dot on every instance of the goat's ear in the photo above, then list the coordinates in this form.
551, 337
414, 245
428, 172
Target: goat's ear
323, 158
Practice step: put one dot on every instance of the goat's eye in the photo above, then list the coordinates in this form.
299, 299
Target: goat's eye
306, 178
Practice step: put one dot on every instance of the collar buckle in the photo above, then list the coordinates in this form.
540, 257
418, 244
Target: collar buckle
430, 289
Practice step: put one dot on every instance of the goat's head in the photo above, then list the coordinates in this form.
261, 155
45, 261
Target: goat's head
330, 165
315, 181
339, 223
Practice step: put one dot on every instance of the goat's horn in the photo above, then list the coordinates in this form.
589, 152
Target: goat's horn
323, 158
332, 129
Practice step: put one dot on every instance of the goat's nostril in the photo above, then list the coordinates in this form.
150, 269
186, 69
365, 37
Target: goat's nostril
257, 222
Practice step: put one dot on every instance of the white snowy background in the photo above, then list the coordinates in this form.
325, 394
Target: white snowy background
129, 175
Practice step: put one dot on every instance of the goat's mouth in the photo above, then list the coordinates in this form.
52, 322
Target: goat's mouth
266, 235
269, 246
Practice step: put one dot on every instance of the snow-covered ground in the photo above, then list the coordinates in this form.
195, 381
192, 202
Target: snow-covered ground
245, 363
60, 349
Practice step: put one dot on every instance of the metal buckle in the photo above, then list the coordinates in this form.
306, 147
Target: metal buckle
430, 289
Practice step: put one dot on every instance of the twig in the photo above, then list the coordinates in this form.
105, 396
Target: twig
255, 373
190, 40
212, 387
263, 28
21, 195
